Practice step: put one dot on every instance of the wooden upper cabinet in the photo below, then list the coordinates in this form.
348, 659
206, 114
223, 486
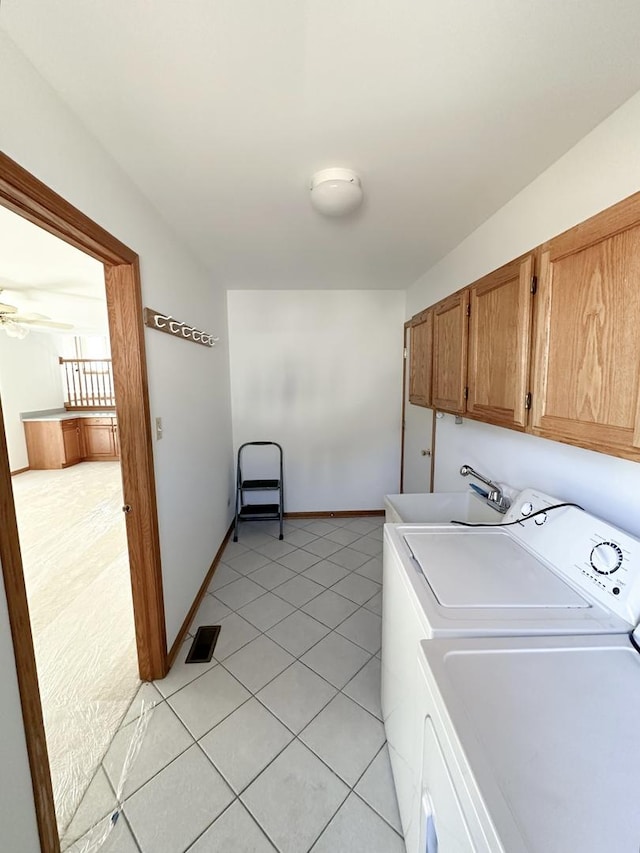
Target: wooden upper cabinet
421, 358
586, 387
499, 345
450, 323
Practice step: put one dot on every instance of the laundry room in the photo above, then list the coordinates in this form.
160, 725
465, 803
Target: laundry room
400, 241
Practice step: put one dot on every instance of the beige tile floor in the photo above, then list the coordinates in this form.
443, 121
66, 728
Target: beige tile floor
277, 743
76, 570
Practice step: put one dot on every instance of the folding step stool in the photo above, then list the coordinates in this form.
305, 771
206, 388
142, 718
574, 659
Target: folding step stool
258, 512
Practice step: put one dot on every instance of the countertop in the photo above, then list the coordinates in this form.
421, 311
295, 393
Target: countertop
64, 415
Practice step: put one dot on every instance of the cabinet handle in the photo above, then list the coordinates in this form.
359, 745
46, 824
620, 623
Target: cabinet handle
126, 508
425, 453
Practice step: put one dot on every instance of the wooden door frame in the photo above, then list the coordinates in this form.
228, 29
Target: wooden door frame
405, 360
24, 194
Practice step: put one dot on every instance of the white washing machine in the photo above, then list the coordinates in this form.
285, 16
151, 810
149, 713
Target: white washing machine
543, 571
529, 745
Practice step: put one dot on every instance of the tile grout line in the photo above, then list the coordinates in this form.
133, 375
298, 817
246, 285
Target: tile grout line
339, 691
226, 809
101, 767
296, 658
299, 607
351, 789
220, 662
295, 735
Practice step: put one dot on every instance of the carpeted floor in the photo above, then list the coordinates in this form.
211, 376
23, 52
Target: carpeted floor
76, 567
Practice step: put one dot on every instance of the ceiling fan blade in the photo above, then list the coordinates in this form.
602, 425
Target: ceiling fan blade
29, 315
36, 321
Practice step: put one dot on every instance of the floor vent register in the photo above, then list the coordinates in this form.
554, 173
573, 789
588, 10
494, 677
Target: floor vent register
203, 645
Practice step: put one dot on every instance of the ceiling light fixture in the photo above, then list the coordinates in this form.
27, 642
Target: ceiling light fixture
335, 191
13, 329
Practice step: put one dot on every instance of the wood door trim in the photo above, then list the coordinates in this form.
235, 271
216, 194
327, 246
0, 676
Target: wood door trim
26, 195
405, 353
433, 449
126, 331
25, 659
23, 193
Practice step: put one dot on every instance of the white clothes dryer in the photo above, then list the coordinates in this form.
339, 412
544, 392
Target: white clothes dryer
529, 745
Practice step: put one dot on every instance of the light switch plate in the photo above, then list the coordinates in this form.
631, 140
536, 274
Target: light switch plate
158, 429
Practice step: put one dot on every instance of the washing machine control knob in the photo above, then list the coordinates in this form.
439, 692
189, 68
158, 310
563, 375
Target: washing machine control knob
606, 558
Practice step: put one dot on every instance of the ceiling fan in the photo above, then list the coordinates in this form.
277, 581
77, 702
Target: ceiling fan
16, 324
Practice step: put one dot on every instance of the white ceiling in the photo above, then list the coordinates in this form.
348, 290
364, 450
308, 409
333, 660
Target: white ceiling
220, 111
41, 274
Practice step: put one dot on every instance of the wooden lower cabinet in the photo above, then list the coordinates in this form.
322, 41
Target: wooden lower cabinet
53, 444
100, 442
59, 444
72, 443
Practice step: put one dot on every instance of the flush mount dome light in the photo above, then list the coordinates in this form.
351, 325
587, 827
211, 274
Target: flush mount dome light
335, 191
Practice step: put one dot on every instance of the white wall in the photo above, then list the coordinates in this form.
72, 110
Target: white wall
320, 372
599, 171
188, 384
604, 485
18, 829
29, 381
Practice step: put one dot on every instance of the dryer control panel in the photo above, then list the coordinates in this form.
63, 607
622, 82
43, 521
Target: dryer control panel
593, 554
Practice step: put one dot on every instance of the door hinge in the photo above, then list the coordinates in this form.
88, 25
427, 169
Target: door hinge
527, 401
468, 309
466, 393
534, 284
404, 352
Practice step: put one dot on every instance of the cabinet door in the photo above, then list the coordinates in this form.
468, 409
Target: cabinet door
45, 445
586, 386
99, 439
72, 443
499, 345
450, 322
421, 359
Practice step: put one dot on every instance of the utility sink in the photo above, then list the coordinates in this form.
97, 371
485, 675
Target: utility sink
439, 508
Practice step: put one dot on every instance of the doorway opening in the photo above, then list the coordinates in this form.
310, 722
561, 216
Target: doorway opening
61, 432
23, 194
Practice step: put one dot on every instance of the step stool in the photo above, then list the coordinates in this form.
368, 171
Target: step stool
258, 512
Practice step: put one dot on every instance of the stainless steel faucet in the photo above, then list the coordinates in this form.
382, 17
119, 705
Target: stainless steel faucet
496, 498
